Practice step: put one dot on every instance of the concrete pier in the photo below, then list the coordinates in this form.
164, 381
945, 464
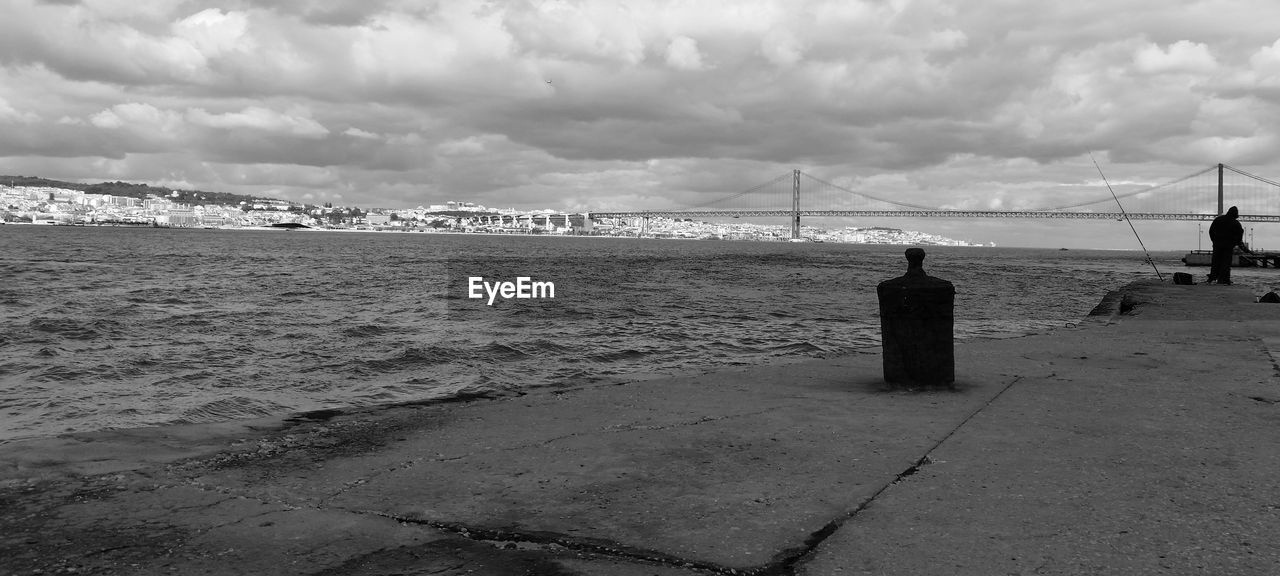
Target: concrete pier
1144, 441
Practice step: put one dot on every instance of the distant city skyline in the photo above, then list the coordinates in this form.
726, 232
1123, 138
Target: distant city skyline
54, 206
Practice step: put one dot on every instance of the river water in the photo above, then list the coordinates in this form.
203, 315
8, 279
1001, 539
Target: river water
125, 327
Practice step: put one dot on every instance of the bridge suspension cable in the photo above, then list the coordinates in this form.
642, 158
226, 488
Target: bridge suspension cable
868, 196
746, 192
1190, 197
1254, 176
1133, 193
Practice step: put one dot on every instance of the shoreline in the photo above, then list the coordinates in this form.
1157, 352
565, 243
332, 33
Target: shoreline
513, 233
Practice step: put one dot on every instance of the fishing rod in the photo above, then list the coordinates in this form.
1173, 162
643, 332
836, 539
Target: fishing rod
1126, 218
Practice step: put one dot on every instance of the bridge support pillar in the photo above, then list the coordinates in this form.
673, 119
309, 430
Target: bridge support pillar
795, 205
1220, 208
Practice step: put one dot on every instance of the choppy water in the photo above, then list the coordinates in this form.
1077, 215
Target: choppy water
119, 327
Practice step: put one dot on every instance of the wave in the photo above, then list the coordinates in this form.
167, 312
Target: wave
233, 408
13, 300
568, 375
411, 358
497, 352
673, 335
186, 380
624, 312
798, 348
722, 349
70, 328
366, 331
615, 356
191, 320
547, 346
80, 373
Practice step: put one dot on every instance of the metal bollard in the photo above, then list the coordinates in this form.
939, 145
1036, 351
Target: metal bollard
916, 326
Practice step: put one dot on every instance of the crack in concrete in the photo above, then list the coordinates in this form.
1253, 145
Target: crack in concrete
110, 549
246, 518
784, 563
551, 541
1272, 347
1256, 398
229, 497
788, 560
404, 465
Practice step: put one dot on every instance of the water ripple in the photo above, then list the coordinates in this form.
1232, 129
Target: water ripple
129, 327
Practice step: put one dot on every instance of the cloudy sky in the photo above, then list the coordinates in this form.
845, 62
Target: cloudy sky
633, 104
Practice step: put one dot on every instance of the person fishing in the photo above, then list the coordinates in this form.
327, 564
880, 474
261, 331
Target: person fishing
1225, 233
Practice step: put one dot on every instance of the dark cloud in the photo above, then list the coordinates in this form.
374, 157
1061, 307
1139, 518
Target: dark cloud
59, 142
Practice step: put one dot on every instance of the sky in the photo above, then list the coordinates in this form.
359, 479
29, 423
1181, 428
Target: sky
631, 105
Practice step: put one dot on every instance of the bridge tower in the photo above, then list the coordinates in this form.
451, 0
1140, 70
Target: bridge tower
795, 205
1220, 211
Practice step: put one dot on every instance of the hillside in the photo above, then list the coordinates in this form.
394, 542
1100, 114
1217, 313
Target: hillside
132, 190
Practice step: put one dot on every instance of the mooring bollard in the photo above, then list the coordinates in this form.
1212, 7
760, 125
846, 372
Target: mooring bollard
917, 316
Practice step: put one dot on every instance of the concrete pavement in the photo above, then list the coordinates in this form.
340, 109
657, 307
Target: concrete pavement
1139, 443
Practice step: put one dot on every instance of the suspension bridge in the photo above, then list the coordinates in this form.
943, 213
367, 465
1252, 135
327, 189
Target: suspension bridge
1199, 196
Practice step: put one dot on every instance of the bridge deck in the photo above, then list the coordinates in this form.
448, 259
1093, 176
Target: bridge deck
928, 214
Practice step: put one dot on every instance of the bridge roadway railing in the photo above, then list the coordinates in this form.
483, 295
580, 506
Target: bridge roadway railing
929, 214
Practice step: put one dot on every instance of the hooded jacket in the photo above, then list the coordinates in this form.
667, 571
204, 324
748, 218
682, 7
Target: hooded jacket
1226, 229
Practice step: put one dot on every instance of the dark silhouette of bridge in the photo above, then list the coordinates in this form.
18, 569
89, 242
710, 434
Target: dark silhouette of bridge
1199, 196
